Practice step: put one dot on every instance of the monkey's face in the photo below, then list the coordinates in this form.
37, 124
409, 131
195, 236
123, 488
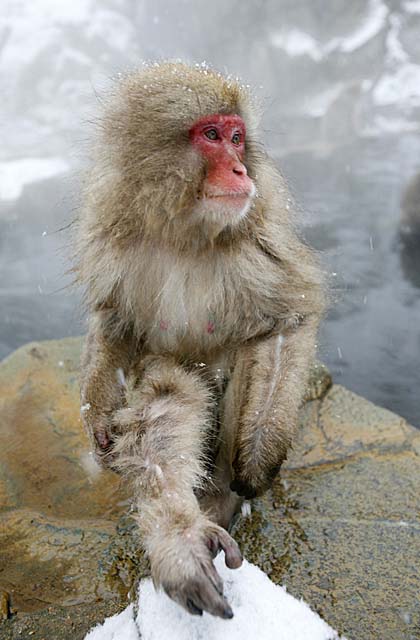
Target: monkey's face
226, 193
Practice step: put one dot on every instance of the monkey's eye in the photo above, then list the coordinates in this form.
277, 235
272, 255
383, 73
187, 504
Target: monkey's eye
236, 138
211, 134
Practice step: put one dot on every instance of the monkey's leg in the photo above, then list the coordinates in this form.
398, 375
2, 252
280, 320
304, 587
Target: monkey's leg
262, 403
219, 501
160, 448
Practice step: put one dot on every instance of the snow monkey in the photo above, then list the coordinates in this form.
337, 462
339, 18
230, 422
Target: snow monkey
204, 306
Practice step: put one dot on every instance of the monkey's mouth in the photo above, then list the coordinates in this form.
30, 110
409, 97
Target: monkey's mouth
243, 195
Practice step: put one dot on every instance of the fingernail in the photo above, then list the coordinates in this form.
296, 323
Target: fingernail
228, 613
102, 439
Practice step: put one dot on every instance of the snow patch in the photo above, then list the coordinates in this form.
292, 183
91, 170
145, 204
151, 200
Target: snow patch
370, 26
246, 509
317, 106
395, 50
382, 124
15, 174
295, 42
121, 626
90, 465
262, 610
400, 88
412, 6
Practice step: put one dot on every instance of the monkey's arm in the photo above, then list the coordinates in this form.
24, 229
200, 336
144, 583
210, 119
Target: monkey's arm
160, 449
105, 362
268, 385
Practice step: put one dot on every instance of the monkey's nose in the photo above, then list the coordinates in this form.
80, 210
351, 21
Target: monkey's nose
239, 169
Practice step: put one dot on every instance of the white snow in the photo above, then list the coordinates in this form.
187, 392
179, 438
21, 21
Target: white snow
412, 6
402, 87
90, 465
370, 26
262, 611
121, 626
382, 124
15, 174
246, 509
395, 51
318, 105
295, 42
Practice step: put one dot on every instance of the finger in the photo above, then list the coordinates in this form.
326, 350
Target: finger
213, 545
192, 608
184, 600
207, 598
102, 438
233, 556
210, 571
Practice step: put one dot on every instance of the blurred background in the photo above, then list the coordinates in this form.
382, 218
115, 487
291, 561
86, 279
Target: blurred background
340, 86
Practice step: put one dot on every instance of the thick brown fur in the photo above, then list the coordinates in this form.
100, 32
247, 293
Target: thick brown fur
213, 326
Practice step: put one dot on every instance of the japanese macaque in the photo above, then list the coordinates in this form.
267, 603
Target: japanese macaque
409, 232
204, 307
410, 208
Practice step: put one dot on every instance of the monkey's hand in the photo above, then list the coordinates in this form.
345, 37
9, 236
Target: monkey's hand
99, 430
182, 563
103, 429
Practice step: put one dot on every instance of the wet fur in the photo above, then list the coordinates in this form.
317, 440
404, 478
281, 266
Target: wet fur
212, 325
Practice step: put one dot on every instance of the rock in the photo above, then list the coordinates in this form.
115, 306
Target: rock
4, 605
340, 526
65, 539
319, 382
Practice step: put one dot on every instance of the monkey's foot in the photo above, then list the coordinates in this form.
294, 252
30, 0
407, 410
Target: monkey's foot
251, 481
187, 573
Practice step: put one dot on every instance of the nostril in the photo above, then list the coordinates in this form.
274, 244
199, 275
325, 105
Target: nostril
239, 171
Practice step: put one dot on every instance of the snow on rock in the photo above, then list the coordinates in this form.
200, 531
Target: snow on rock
262, 610
122, 626
15, 174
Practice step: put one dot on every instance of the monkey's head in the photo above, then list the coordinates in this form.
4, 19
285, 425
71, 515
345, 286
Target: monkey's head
179, 141
226, 191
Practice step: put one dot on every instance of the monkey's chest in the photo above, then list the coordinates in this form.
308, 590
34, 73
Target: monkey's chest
186, 315
195, 308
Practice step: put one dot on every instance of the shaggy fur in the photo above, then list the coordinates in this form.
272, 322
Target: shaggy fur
212, 325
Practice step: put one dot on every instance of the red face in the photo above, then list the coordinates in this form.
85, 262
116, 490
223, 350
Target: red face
220, 139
